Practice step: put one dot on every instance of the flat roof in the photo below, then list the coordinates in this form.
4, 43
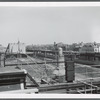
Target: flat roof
11, 70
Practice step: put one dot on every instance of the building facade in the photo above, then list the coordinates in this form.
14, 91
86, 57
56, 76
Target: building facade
90, 48
16, 48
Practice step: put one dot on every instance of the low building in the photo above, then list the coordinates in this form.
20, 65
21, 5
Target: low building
2, 49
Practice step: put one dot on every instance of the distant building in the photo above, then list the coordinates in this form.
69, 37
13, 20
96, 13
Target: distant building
2, 49
90, 48
90, 53
61, 45
16, 48
74, 46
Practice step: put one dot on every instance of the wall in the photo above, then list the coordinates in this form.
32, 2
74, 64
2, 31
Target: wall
17, 48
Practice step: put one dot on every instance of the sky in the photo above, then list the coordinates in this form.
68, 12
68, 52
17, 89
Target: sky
46, 25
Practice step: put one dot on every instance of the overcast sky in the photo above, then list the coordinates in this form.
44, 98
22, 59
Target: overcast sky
44, 25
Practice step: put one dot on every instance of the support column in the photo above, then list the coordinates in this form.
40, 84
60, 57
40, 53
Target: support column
22, 84
0, 60
4, 61
60, 71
